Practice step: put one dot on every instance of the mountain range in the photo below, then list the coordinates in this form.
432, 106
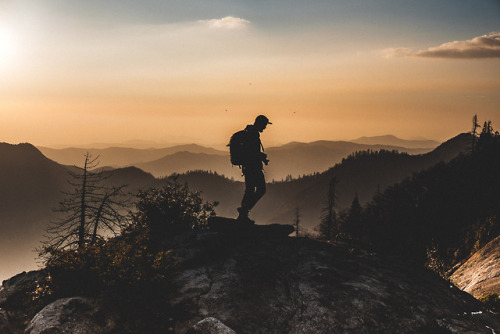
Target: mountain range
31, 185
291, 160
121, 156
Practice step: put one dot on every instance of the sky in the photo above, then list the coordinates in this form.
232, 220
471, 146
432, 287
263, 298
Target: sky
77, 72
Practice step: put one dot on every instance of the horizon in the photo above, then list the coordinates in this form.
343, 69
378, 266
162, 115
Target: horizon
145, 144
188, 72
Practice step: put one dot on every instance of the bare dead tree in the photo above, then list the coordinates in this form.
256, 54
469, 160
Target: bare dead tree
87, 210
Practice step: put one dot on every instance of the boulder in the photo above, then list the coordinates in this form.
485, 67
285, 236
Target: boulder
233, 227
210, 326
16, 292
75, 315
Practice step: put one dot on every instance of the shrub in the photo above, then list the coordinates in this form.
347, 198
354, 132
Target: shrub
170, 210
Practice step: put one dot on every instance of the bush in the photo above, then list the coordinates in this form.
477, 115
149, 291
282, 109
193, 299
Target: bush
171, 210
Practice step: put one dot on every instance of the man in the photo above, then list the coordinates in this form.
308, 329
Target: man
255, 183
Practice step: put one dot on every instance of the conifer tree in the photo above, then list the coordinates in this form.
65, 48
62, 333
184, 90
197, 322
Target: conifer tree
328, 228
353, 221
475, 126
297, 222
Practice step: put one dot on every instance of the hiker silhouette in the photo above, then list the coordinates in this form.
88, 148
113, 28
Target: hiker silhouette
247, 151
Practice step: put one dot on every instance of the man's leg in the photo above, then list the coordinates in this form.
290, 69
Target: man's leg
246, 202
255, 188
260, 188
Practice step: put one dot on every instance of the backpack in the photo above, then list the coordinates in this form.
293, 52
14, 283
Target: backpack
238, 148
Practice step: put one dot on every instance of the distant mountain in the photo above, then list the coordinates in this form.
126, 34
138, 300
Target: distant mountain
135, 178
121, 156
182, 162
28, 180
395, 141
293, 159
297, 158
30, 186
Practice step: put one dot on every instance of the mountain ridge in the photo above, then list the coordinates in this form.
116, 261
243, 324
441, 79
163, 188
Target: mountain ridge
292, 159
393, 140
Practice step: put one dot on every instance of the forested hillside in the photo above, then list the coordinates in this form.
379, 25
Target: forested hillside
440, 215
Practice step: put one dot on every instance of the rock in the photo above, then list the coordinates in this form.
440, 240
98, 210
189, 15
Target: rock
480, 274
232, 226
297, 285
16, 291
210, 326
4, 322
75, 315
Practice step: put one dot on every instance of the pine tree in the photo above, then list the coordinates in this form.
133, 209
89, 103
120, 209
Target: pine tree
475, 126
353, 222
328, 228
297, 222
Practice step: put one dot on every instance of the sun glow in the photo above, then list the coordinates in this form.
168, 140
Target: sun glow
6, 48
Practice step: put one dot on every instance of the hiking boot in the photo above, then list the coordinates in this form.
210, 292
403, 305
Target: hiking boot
245, 220
242, 212
243, 216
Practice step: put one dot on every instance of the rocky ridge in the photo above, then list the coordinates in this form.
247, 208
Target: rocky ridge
246, 281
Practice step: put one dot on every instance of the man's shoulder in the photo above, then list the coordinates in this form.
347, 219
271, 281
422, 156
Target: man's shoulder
252, 131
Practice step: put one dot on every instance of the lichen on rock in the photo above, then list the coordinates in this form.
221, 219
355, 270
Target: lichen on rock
75, 315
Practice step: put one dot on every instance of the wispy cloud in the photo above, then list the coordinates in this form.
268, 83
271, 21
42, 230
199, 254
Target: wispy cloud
228, 22
486, 46
395, 52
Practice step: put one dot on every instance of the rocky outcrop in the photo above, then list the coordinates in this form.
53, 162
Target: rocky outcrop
210, 326
480, 274
230, 226
295, 285
16, 291
244, 281
16, 298
74, 315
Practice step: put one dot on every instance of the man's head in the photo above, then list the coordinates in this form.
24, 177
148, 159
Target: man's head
261, 122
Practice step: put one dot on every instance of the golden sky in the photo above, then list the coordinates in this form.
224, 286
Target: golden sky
172, 71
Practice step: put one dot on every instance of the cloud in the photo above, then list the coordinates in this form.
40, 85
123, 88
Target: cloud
486, 46
228, 22
395, 52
